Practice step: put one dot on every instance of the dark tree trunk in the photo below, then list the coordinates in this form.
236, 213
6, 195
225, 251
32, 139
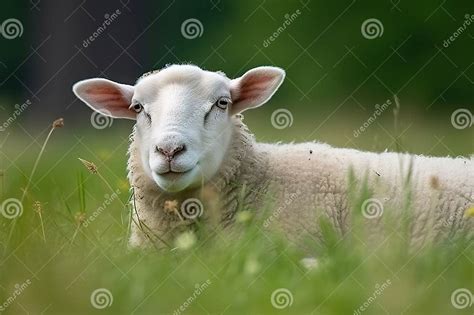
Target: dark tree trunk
67, 53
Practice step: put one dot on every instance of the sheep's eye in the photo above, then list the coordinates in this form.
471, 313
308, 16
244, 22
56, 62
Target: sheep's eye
223, 102
137, 107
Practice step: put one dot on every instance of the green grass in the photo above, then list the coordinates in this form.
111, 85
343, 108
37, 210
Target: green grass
63, 266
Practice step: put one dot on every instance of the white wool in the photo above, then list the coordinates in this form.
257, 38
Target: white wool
189, 146
307, 181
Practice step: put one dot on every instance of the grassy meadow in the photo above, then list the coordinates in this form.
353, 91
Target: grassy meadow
67, 252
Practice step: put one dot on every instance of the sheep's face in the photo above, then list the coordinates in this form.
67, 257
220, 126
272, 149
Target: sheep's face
183, 117
183, 125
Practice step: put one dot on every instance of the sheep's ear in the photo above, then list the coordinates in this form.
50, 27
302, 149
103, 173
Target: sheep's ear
106, 97
255, 87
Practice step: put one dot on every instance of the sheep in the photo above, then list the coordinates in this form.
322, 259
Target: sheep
191, 157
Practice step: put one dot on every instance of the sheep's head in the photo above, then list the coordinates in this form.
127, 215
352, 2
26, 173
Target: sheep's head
183, 116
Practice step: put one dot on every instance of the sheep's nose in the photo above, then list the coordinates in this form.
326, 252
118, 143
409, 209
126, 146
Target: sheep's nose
170, 152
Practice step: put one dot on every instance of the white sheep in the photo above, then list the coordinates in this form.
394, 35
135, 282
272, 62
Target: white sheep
191, 155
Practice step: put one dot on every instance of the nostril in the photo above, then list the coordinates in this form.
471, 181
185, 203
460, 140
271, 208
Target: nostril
169, 154
160, 150
179, 149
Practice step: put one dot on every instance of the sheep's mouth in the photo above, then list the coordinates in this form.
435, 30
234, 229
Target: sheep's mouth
173, 174
174, 181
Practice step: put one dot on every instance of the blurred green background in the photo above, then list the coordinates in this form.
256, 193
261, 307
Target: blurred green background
335, 75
